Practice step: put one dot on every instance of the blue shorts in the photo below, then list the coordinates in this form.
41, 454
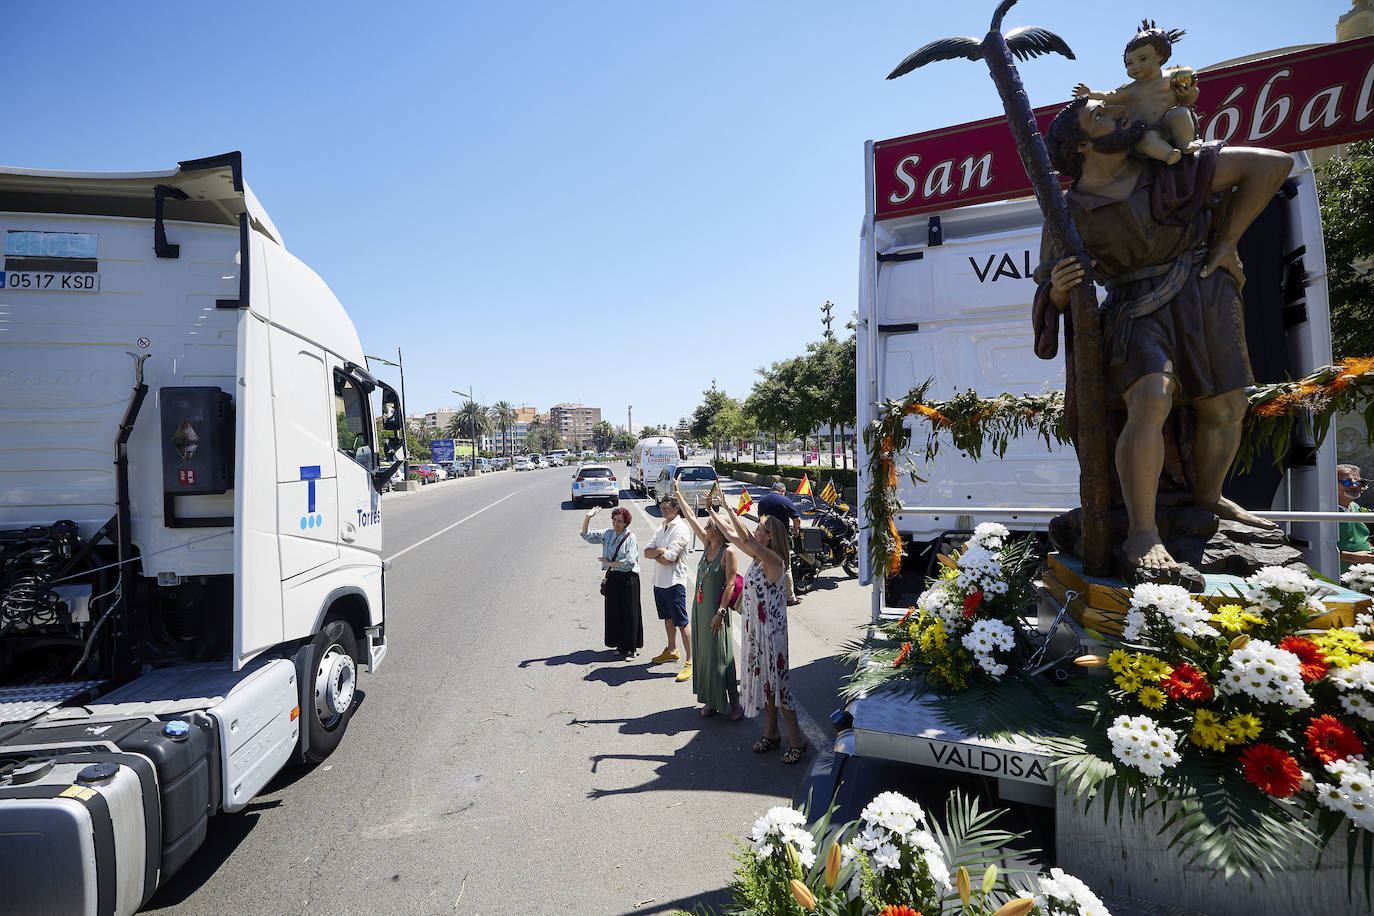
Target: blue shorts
672, 604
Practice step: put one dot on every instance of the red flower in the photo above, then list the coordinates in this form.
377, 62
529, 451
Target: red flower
901, 656
899, 910
1314, 666
1271, 770
906, 616
971, 602
1330, 739
1187, 683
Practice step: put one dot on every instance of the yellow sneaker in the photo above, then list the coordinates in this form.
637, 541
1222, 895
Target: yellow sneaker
667, 655
685, 674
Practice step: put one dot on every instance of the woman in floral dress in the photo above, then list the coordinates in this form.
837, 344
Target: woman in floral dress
765, 681
713, 647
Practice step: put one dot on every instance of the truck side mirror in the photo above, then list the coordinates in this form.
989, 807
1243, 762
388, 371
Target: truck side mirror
391, 408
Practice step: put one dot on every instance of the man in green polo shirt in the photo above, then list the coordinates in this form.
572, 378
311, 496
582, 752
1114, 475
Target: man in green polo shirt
1354, 541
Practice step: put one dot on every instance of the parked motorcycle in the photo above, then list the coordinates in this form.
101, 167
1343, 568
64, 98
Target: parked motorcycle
831, 539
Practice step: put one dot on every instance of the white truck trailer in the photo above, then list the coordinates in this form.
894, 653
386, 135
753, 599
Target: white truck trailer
190, 525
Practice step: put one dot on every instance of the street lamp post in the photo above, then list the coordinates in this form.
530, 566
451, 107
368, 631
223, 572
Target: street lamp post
405, 420
473, 417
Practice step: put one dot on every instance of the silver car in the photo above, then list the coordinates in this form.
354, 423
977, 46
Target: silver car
595, 481
696, 481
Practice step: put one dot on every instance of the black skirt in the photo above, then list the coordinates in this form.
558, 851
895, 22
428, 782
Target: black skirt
624, 624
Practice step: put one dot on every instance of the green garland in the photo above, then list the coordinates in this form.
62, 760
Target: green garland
975, 424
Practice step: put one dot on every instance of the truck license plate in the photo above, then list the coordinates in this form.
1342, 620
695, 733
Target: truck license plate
44, 281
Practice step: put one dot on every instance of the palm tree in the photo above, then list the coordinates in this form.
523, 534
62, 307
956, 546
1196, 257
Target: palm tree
503, 415
997, 51
476, 419
603, 433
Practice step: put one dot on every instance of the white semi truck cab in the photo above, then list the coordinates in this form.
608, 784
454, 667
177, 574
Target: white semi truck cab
190, 522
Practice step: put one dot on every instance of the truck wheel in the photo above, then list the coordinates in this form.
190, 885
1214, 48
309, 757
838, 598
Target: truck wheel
330, 683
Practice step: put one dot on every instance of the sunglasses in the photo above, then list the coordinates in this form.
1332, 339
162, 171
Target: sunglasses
1354, 483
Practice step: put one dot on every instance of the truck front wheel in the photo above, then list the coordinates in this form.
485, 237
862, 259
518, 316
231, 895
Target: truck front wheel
328, 690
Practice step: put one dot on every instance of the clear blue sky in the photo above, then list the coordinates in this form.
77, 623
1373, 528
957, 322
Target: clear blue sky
604, 202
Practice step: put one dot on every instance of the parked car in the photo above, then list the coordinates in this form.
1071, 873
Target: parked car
439, 472
453, 468
424, 473
595, 482
556, 461
523, 464
536, 461
696, 481
499, 464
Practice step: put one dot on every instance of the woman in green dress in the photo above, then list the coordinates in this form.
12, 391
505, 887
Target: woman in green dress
713, 648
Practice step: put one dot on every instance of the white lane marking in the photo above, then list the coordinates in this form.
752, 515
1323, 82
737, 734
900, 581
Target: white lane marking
401, 553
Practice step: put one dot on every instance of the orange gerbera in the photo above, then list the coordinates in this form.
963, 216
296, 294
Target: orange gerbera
901, 656
1271, 769
1329, 739
899, 910
906, 616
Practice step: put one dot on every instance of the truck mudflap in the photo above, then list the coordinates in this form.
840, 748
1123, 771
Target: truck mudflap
376, 646
79, 834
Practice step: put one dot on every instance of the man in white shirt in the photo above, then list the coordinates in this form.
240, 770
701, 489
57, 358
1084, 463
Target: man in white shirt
668, 550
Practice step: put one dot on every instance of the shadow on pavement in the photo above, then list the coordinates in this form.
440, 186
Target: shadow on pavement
223, 836
624, 673
716, 900
580, 657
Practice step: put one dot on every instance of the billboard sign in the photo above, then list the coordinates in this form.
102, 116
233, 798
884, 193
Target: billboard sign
1318, 96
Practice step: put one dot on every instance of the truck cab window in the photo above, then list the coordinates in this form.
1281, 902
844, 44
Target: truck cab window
351, 420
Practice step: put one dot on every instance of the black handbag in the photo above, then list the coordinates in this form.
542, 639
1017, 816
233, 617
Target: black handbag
613, 553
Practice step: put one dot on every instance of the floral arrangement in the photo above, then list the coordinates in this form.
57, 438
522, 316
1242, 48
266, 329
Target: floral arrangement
893, 861
1241, 700
964, 626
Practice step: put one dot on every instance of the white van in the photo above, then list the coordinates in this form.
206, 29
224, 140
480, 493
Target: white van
650, 456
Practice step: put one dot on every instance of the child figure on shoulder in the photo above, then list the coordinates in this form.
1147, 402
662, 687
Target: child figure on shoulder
1161, 99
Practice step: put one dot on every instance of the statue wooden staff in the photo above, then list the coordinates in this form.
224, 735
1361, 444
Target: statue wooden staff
997, 50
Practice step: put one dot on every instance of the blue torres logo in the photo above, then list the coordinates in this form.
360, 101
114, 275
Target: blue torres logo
311, 519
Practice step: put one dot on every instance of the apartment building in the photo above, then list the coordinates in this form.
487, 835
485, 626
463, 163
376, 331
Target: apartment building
575, 423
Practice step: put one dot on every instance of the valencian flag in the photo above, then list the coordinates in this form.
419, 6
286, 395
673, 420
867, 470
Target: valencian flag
829, 494
804, 488
745, 503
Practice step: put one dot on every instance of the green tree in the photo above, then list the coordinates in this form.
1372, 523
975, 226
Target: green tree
829, 382
730, 424
623, 441
1346, 188
475, 420
648, 431
703, 418
504, 416
603, 434
780, 401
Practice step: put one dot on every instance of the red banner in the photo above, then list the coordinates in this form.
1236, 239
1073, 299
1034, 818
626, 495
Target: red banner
1305, 99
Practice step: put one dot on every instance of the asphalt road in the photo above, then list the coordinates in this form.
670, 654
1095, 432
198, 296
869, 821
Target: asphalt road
502, 760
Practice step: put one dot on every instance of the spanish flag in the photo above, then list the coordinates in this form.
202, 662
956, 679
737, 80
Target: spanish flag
829, 494
804, 488
745, 502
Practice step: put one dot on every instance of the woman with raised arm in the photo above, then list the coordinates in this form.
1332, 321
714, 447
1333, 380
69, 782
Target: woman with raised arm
765, 682
713, 672
620, 562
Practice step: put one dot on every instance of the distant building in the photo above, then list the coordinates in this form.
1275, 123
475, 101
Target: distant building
575, 423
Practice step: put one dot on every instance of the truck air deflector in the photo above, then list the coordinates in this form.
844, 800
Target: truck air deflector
160, 244
900, 256
242, 301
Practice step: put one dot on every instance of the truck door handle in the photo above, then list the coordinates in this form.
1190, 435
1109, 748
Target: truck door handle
348, 533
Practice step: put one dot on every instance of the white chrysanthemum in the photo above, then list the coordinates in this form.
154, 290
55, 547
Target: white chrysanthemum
934, 856
1353, 793
1281, 579
1169, 605
1357, 688
1061, 894
1269, 674
989, 534
1360, 577
979, 570
784, 825
986, 637
894, 812
1141, 742
937, 602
